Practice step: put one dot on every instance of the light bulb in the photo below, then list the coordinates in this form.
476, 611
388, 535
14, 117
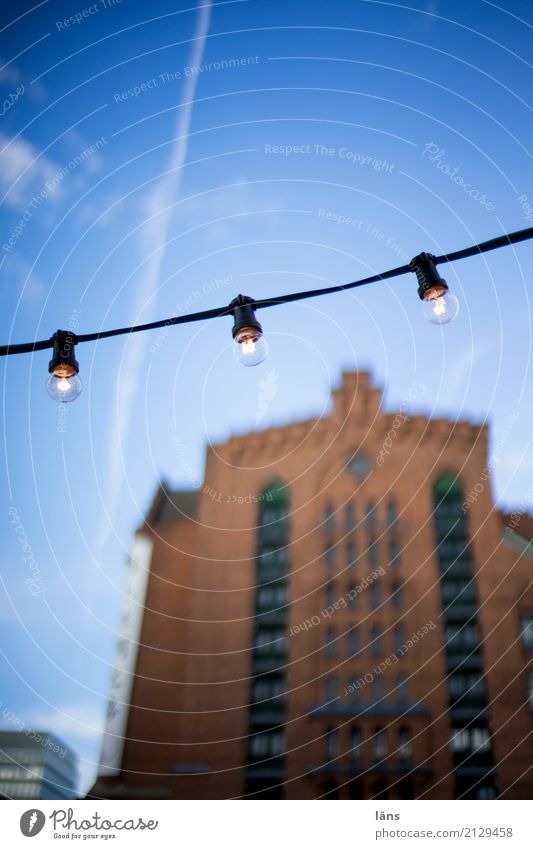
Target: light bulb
63, 389
440, 306
249, 346
63, 383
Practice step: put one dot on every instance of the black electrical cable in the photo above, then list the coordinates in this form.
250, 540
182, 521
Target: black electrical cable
216, 312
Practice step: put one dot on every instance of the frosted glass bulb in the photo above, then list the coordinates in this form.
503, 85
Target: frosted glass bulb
440, 306
250, 346
63, 389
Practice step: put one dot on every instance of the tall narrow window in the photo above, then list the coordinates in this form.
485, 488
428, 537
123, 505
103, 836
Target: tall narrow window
396, 594
463, 643
331, 642
329, 517
394, 552
329, 555
402, 688
353, 641
269, 653
331, 744
349, 518
370, 518
378, 688
356, 745
380, 743
392, 512
331, 688
354, 685
376, 641
404, 744
399, 637
526, 626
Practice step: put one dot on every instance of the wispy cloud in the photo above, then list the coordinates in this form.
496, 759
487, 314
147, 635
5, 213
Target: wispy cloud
23, 171
153, 241
23, 281
9, 73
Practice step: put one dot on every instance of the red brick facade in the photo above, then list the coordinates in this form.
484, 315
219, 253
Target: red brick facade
451, 576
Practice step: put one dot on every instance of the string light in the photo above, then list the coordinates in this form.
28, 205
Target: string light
439, 305
249, 345
63, 383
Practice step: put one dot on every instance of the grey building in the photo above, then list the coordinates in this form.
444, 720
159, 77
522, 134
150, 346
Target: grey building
36, 765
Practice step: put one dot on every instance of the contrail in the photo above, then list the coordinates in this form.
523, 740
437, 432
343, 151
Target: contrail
153, 242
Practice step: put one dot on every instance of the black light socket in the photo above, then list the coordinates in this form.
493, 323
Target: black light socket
427, 275
244, 315
64, 363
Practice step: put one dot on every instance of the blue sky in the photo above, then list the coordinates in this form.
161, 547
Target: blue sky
314, 145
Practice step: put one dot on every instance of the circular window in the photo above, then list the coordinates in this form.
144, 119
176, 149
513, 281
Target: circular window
359, 465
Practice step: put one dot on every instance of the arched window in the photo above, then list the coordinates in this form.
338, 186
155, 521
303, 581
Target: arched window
351, 554
274, 503
451, 528
374, 595
273, 523
448, 488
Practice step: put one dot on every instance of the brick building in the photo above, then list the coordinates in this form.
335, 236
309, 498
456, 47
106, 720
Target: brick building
326, 618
